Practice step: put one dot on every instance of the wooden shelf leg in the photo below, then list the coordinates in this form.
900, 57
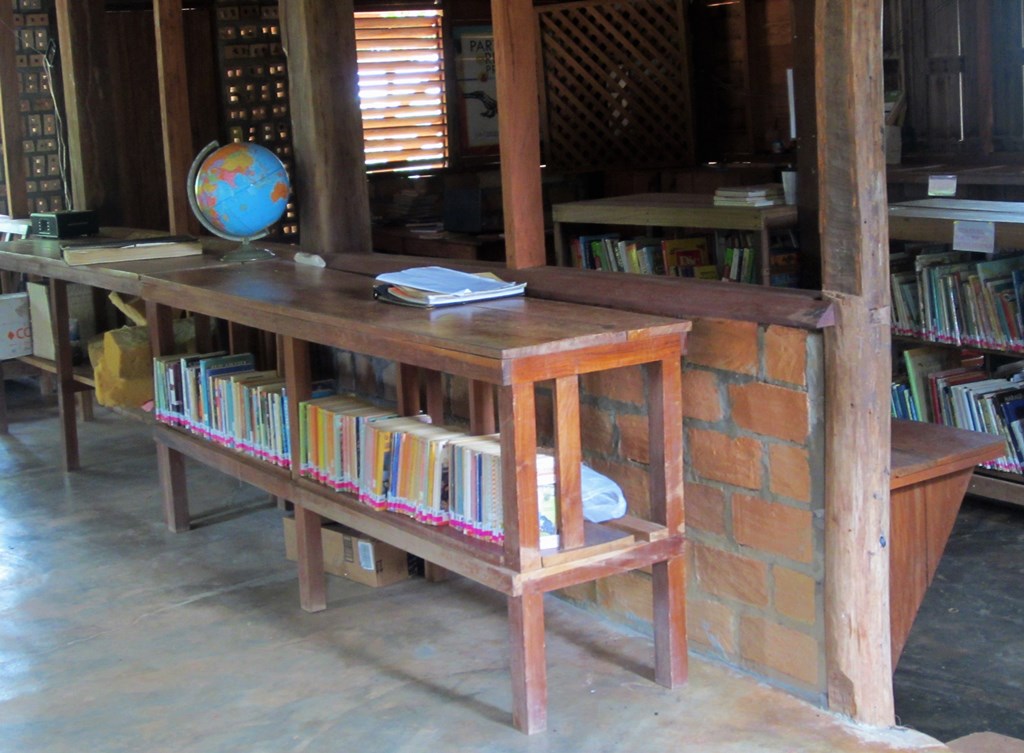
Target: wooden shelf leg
4, 428
527, 663
670, 658
171, 469
65, 377
310, 555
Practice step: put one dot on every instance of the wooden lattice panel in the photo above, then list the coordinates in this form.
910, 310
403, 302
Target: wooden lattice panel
616, 84
254, 79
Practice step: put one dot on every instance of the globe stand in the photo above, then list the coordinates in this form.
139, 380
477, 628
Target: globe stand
247, 252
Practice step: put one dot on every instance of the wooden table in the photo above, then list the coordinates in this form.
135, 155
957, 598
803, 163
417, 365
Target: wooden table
931, 468
41, 257
505, 349
653, 210
933, 220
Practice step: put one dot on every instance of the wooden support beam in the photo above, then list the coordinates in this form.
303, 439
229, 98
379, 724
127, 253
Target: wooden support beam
515, 60
854, 235
327, 126
10, 122
174, 111
87, 108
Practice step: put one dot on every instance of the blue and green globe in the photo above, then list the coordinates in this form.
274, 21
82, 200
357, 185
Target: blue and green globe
240, 190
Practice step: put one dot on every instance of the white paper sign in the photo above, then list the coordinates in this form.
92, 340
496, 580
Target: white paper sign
972, 235
942, 185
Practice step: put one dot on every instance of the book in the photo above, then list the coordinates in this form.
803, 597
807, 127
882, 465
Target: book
437, 286
747, 192
129, 249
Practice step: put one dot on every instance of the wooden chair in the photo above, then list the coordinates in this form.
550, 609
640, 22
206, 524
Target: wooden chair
10, 229
12, 282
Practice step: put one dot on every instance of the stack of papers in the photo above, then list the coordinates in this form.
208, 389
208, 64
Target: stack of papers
437, 286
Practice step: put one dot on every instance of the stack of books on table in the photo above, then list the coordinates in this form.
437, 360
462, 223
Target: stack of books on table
427, 287
763, 195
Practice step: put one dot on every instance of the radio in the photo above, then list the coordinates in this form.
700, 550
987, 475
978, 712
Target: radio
67, 224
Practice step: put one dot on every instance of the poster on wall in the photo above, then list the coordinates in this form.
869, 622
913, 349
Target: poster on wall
477, 88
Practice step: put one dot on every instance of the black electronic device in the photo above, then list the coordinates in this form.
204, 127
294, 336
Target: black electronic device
66, 224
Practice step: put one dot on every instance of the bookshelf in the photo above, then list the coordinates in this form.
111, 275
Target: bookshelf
963, 315
672, 210
505, 349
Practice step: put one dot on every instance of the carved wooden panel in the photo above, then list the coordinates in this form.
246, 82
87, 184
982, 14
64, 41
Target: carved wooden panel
615, 84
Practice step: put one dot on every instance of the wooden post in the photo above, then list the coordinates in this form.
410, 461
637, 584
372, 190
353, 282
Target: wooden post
174, 111
88, 111
806, 143
327, 126
854, 235
515, 60
10, 121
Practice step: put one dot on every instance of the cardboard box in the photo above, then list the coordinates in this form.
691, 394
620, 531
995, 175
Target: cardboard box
15, 330
354, 556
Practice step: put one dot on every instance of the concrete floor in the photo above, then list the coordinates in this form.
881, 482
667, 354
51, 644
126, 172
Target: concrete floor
116, 635
962, 669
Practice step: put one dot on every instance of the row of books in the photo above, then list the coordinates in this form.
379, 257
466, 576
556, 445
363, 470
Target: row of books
404, 464
957, 389
676, 257
724, 255
224, 399
958, 298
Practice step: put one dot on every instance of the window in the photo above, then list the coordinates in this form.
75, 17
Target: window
401, 89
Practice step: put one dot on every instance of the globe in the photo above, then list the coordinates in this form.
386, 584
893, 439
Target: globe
237, 192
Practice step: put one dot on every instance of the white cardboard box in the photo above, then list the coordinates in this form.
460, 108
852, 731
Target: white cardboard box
15, 331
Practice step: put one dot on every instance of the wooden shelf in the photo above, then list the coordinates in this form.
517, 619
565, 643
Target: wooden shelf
653, 210
504, 348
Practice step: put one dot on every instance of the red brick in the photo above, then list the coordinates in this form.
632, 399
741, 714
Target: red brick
701, 396
705, 508
596, 430
625, 385
785, 355
773, 527
732, 576
779, 648
789, 472
628, 594
633, 480
726, 345
795, 595
718, 457
770, 410
712, 624
634, 442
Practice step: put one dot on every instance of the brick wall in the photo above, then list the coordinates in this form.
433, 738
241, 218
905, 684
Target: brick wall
753, 432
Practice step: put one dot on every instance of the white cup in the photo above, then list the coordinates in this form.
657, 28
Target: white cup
789, 186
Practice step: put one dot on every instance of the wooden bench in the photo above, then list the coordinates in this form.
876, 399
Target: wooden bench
931, 466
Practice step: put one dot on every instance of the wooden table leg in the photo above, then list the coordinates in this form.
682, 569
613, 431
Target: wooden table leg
527, 662
670, 646
4, 427
65, 376
665, 427
310, 555
171, 470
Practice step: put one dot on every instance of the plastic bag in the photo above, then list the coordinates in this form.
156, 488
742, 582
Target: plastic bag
602, 498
